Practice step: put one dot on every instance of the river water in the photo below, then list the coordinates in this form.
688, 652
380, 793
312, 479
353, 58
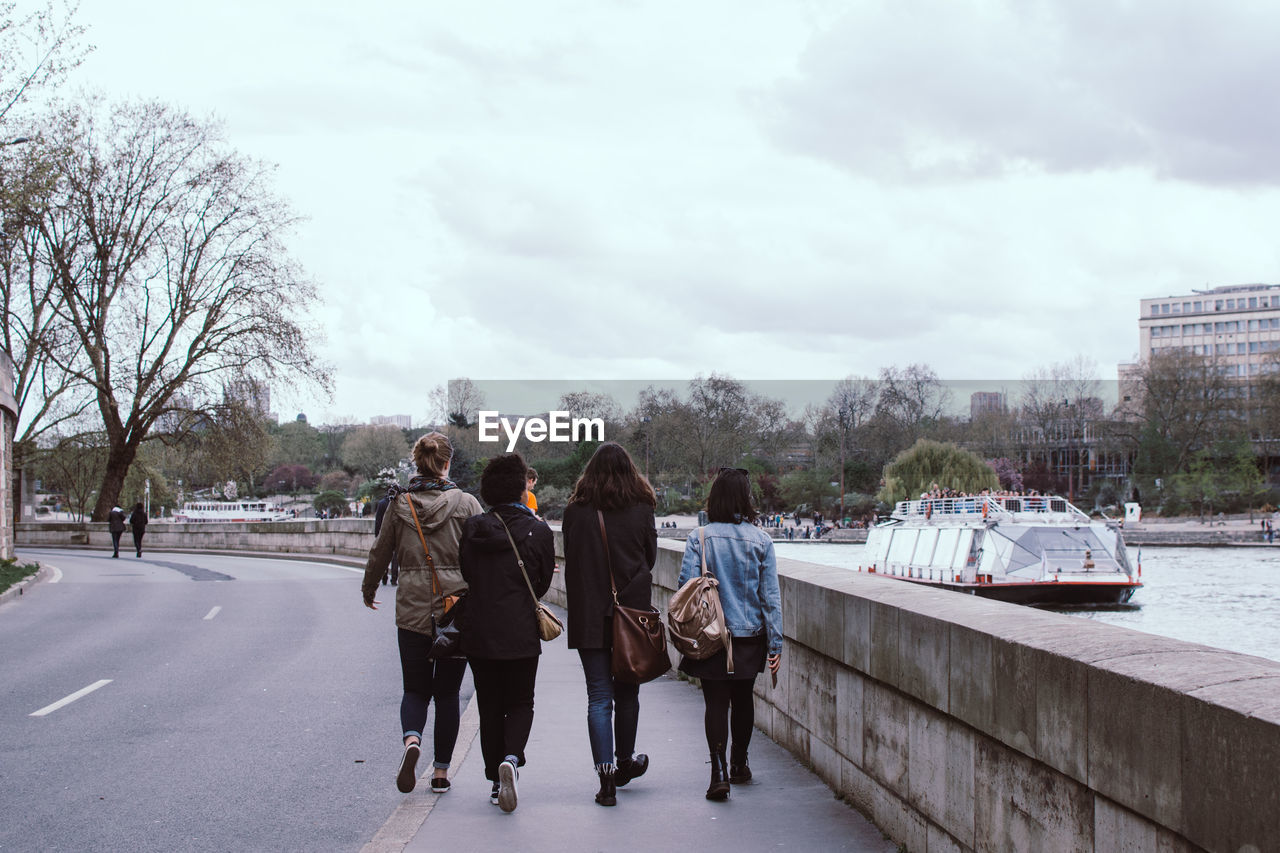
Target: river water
1223, 597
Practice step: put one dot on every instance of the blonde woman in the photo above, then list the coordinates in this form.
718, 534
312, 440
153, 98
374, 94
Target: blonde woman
421, 529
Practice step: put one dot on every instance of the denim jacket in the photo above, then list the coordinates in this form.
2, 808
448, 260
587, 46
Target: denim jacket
740, 557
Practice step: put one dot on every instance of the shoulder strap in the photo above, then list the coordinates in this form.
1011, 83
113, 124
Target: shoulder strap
702, 547
431, 563
519, 559
608, 561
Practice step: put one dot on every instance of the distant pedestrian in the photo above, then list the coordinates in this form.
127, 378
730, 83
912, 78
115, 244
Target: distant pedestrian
741, 558
611, 494
138, 526
115, 524
387, 480
500, 629
530, 501
421, 527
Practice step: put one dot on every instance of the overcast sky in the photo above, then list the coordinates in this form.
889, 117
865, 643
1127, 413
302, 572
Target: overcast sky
773, 190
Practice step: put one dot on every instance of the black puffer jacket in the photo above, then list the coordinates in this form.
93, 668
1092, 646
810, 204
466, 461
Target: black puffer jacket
499, 623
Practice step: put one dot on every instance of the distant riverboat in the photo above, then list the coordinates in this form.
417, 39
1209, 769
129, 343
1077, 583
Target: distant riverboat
231, 511
1037, 550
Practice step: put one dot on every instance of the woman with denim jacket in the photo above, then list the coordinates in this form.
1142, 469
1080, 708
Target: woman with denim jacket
612, 492
740, 556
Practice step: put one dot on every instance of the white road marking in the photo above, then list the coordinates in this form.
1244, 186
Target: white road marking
212, 613
57, 573
49, 709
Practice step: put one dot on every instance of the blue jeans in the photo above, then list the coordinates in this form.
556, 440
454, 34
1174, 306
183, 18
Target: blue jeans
605, 722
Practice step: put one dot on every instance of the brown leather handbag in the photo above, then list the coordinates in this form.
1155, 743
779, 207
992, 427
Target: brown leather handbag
639, 639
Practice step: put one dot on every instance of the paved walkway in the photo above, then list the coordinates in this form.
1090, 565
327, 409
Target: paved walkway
785, 807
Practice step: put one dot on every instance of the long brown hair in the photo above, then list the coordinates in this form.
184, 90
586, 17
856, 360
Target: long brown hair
610, 481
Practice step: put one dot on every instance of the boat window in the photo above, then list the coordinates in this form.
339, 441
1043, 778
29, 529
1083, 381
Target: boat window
882, 543
963, 546
945, 551
923, 555
904, 544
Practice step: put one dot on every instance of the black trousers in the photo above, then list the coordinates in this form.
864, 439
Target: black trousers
730, 708
504, 695
115, 542
137, 539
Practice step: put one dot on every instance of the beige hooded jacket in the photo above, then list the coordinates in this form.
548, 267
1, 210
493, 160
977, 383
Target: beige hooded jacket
441, 514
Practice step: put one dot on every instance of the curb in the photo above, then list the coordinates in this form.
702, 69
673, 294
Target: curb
17, 590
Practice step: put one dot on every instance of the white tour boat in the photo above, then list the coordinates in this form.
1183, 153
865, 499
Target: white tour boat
231, 511
1038, 550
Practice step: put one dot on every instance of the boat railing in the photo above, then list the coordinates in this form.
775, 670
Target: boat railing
987, 506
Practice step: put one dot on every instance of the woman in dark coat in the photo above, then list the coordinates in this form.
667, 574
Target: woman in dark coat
499, 628
138, 524
611, 486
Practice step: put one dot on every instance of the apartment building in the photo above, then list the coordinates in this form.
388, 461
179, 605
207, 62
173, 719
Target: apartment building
1238, 325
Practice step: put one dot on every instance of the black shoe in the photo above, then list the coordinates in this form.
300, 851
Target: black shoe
384, 580
493, 794
607, 795
631, 768
719, 787
740, 773
406, 778
440, 784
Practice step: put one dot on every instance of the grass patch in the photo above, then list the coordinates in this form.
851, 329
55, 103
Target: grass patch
11, 571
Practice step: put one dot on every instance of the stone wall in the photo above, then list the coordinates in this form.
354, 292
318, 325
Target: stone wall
348, 537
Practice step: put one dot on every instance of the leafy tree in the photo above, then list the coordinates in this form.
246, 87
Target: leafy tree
1007, 473
74, 467
299, 443
806, 486
926, 463
331, 502
369, 449
166, 252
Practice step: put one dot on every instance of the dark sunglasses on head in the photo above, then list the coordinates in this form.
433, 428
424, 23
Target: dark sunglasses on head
743, 471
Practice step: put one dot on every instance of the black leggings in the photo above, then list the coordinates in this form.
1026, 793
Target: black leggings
730, 705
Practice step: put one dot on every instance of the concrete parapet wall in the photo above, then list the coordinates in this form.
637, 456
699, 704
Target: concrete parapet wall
350, 537
963, 724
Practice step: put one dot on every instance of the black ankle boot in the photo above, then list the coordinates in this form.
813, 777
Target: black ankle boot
631, 768
719, 787
608, 790
739, 771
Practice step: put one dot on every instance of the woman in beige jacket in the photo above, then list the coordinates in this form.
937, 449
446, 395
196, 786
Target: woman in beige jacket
421, 527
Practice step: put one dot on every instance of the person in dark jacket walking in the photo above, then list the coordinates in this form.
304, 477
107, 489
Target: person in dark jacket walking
613, 492
387, 480
138, 526
115, 524
500, 630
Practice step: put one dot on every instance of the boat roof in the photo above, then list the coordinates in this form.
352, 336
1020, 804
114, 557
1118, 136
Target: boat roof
1036, 508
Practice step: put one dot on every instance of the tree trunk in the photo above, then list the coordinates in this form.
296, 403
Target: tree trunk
119, 459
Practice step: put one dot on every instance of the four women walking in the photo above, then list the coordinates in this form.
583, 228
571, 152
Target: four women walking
422, 528
504, 560
610, 544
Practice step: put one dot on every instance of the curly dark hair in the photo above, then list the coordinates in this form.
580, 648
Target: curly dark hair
503, 479
611, 481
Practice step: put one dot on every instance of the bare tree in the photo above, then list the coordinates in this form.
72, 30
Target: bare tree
912, 398
166, 248
370, 449
36, 51
852, 402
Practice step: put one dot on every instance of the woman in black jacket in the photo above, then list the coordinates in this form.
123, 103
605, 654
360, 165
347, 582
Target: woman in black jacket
499, 630
613, 491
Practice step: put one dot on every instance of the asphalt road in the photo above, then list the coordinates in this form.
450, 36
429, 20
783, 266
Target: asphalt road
248, 704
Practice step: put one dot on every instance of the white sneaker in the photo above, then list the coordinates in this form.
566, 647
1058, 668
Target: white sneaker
507, 775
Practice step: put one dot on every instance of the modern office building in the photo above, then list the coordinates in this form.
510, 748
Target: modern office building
1238, 325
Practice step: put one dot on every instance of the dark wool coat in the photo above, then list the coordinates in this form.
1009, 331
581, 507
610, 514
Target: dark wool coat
633, 547
499, 621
